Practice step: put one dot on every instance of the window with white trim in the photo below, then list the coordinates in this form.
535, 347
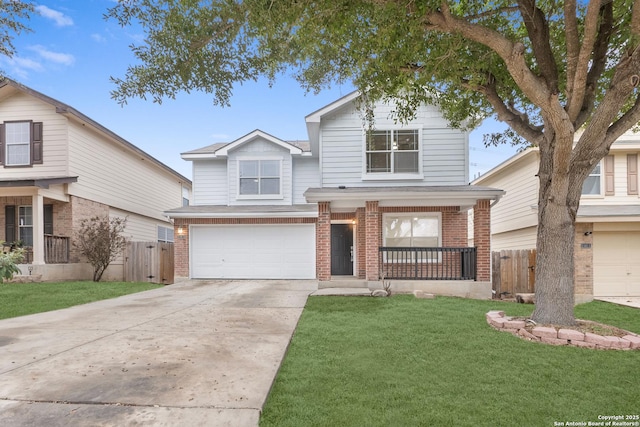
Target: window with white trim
591, 185
185, 196
165, 234
25, 225
259, 177
416, 230
393, 151
17, 143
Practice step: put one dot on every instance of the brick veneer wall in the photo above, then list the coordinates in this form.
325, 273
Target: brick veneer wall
181, 233
583, 259
81, 209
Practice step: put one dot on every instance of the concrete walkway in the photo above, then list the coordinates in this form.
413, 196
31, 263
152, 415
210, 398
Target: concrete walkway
192, 354
626, 301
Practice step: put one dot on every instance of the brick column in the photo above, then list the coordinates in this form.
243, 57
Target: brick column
181, 247
372, 226
323, 242
482, 239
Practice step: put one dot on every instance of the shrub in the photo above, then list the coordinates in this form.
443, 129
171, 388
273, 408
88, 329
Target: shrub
8, 264
101, 240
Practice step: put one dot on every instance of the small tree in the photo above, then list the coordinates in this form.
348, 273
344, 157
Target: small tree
8, 264
101, 240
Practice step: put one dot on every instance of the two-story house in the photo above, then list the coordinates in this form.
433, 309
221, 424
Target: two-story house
388, 202
607, 236
58, 167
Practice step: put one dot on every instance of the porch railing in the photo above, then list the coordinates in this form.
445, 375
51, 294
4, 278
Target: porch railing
407, 263
56, 250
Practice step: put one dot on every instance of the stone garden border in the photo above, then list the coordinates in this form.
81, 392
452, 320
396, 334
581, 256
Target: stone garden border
560, 336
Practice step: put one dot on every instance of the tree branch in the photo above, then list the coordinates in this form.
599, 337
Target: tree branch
635, 18
598, 64
519, 122
572, 41
511, 53
538, 31
627, 121
576, 96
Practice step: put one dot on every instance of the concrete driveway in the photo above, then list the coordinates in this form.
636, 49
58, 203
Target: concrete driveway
199, 353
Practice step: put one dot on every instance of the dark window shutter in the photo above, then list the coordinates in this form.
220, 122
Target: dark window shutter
632, 174
36, 143
48, 219
1, 144
10, 223
609, 176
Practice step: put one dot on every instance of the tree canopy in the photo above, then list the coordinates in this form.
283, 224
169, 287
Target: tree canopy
13, 15
546, 68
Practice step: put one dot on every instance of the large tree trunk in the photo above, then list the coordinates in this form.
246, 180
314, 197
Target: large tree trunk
558, 201
554, 287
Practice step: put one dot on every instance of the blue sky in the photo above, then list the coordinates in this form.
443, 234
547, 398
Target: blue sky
73, 51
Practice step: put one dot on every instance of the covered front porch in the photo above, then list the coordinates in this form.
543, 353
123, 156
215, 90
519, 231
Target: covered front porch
413, 236
35, 214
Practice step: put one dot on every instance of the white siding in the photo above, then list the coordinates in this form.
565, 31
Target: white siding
524, 238
444, 150
517, 208
260, 149
140, 228
115, 176
21, 106
210, 184
305, 175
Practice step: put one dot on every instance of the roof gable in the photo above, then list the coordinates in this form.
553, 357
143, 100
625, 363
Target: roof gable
223, 149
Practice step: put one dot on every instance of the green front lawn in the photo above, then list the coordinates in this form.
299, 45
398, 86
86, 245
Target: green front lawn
28, 298
403, 361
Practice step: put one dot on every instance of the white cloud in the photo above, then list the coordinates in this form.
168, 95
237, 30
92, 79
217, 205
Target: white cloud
57, 57
98, 38
59, 18
20, 67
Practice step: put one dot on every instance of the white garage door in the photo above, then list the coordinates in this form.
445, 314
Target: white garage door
282, 251
616, 264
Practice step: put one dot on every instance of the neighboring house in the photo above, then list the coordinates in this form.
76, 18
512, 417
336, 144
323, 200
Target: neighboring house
607, 237
58, 167
389, 203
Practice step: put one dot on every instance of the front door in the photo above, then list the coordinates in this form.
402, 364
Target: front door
341, 250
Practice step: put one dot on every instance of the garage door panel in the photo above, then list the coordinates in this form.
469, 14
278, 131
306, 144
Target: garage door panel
616, 265
284, 251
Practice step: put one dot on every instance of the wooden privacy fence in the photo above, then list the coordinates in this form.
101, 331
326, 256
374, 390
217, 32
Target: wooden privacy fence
149, 262
513, 272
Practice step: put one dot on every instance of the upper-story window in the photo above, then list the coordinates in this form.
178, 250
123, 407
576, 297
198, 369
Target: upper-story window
393, 151
21, 143
185, 196
591, 185
259, 177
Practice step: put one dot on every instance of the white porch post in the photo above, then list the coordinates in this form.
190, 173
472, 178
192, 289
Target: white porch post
37, 209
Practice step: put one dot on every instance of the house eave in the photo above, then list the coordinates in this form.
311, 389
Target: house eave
37, 182
463, 196
245, 211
